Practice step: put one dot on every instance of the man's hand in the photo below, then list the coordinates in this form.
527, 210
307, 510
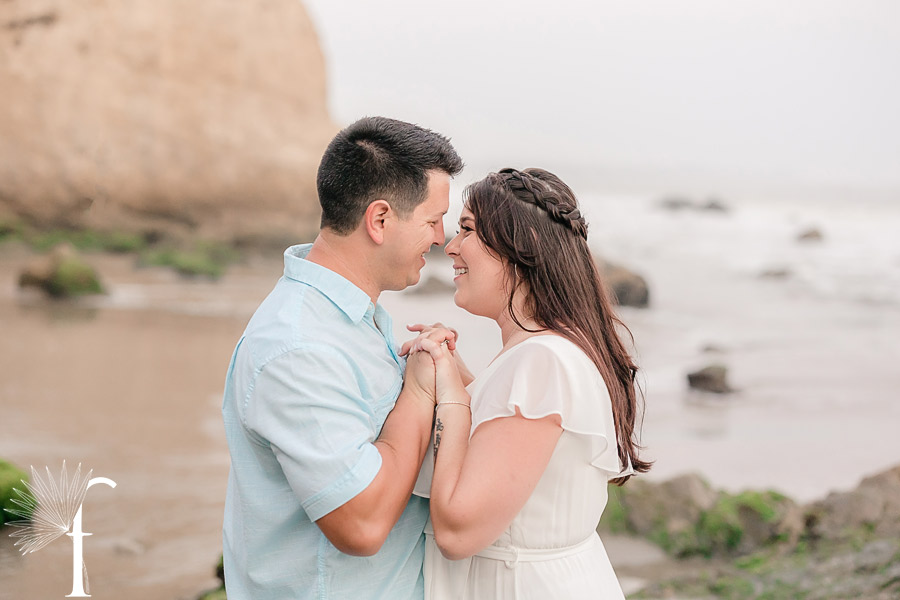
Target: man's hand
420, 376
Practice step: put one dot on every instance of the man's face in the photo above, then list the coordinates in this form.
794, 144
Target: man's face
408, 240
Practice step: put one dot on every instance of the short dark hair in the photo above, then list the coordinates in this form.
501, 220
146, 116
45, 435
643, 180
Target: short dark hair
374, 158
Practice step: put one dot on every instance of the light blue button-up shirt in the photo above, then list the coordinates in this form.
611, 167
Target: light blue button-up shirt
308, 389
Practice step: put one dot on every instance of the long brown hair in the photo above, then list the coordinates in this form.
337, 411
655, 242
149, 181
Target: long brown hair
530, 219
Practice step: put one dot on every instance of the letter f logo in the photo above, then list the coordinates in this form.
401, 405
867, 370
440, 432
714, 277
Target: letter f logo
53, 509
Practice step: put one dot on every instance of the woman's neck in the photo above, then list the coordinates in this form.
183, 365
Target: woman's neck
512, 333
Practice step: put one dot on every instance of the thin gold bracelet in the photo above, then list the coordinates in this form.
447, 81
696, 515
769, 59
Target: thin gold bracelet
450, 402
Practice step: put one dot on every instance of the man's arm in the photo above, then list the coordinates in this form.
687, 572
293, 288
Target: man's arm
360, 526
306, 406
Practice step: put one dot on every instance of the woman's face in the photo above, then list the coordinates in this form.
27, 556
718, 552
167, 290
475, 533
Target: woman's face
479, 275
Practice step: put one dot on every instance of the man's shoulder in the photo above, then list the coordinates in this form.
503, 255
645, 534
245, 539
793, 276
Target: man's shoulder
294, 317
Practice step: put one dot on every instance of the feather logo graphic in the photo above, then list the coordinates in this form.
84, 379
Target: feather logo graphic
51, 509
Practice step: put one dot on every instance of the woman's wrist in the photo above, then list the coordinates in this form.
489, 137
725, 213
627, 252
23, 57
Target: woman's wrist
452, 402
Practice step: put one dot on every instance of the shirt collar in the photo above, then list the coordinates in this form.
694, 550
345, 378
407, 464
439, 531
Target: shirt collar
349, 298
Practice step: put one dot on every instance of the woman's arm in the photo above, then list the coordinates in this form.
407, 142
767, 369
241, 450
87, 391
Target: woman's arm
479, 485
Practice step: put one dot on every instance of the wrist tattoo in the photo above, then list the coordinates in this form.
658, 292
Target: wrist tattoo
438, 428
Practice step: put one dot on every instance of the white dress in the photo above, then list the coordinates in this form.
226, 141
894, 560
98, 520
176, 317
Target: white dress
551, 548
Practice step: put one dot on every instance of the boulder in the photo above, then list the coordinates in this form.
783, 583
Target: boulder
873, 507
62, 273
627, 287
196, 119
685, 516
712, 378
745, 522
667, 513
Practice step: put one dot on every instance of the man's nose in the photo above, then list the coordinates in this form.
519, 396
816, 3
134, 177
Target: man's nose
439, 237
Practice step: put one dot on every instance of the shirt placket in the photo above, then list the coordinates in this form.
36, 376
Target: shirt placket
381, 321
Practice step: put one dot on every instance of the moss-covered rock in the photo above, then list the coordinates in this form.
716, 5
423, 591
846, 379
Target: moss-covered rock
614, 518
872, 508
11, 478
206, 259
61, 274
216, 594
219, 592
686, 517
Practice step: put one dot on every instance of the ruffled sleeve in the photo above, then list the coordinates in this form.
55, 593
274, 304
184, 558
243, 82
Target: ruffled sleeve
547, 375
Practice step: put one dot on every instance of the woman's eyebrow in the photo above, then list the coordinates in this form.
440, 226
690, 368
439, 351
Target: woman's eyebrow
464, 219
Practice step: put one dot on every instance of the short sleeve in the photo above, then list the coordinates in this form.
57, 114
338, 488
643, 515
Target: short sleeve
549, 375
308, 406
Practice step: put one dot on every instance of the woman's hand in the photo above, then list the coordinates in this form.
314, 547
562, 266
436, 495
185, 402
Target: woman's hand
436, 332
449, 384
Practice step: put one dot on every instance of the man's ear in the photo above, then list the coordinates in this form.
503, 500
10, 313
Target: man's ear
376, 215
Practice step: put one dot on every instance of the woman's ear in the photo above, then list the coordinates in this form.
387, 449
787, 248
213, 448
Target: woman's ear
376, 215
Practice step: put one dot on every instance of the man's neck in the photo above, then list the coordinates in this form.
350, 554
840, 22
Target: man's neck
343, 255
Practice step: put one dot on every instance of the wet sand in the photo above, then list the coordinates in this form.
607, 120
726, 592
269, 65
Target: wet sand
133, 393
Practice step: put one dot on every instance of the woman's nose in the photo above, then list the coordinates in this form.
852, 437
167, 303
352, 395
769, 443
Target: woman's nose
451, 248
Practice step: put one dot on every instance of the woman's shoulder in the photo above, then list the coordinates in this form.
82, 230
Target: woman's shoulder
548, 350
541, 359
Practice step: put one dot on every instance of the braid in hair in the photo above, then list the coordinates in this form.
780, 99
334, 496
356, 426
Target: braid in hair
532, 186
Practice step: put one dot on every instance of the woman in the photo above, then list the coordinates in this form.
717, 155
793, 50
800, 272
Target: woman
524, 453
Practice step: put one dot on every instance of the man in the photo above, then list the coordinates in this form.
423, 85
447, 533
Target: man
326, 439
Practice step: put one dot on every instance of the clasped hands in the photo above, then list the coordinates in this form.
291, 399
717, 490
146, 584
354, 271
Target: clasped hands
433, 368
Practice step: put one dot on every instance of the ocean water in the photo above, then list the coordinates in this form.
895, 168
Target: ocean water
809, 330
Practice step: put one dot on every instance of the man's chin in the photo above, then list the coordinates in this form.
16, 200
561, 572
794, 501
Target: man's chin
410, 281
414, 280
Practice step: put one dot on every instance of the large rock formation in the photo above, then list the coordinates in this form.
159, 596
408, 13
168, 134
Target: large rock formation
204, 118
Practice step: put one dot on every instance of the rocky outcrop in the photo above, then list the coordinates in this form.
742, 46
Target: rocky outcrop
685, 516
873, 507
763, 545
61, 274
204, 118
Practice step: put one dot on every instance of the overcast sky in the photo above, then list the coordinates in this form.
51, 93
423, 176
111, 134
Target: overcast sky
801, 91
